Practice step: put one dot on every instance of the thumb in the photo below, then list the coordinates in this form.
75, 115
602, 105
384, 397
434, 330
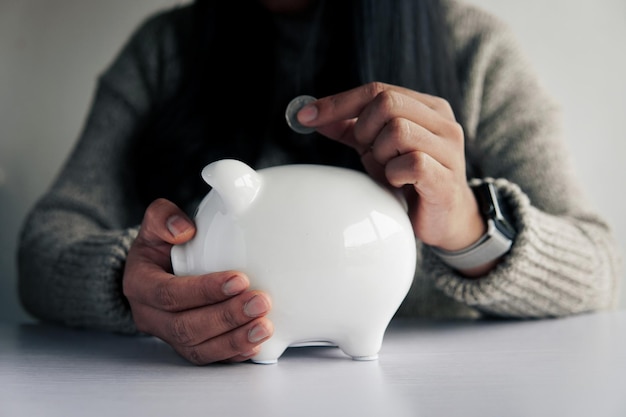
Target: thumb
164, 221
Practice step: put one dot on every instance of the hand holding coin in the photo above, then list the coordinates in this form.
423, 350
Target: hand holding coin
409, 140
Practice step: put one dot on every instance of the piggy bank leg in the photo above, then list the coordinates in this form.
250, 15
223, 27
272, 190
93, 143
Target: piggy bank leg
270, 351
363, 346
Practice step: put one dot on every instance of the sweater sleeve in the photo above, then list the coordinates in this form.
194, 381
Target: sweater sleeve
564, 259
74, 242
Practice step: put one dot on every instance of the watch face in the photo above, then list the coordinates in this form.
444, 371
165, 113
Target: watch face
505, 228
491, 208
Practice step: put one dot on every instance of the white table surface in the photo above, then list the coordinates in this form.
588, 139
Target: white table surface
565, 367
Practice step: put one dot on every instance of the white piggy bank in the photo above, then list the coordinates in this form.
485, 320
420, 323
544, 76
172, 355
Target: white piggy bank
333, 249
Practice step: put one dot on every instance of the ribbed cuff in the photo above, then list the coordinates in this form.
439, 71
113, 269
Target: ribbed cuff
89, 288
557, 266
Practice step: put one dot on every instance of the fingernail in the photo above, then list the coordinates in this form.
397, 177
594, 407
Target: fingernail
308, 113
177, 225
234, 285
257, 333
255, 307
249, 353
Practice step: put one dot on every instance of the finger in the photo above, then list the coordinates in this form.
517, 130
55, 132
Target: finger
237, 345
165, 222
421, 171
381, 100
246, 356
401, 136
373, 168
438, 104
390, 105
163, 225
192, 327
335, 116
167, 292
350, 104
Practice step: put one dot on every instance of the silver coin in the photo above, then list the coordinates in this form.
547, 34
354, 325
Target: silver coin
291, 113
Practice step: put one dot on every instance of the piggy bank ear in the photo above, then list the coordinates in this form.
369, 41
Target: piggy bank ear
236, 183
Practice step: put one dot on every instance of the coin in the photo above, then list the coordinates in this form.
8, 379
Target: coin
291, 113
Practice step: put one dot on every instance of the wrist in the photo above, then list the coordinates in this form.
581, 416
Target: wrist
470, 227
481, 256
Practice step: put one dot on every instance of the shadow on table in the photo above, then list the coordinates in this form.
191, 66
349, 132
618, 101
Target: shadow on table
82, 344
79, 344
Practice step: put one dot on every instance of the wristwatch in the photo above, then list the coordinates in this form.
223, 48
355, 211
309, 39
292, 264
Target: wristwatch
494, 243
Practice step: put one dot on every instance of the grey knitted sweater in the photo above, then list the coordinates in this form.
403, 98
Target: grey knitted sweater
563, 261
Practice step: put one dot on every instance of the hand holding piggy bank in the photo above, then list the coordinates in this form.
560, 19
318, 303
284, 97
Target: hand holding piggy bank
333, 249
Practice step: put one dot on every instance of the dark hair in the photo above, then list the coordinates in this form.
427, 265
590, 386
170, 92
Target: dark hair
225, 105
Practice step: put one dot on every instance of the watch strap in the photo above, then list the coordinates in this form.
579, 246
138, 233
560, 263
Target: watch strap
495, 242
492, 245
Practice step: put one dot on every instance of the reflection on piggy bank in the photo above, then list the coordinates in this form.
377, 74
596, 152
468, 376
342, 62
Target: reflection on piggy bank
333, 249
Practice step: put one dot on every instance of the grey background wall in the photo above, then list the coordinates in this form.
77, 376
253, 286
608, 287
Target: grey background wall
51, 53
